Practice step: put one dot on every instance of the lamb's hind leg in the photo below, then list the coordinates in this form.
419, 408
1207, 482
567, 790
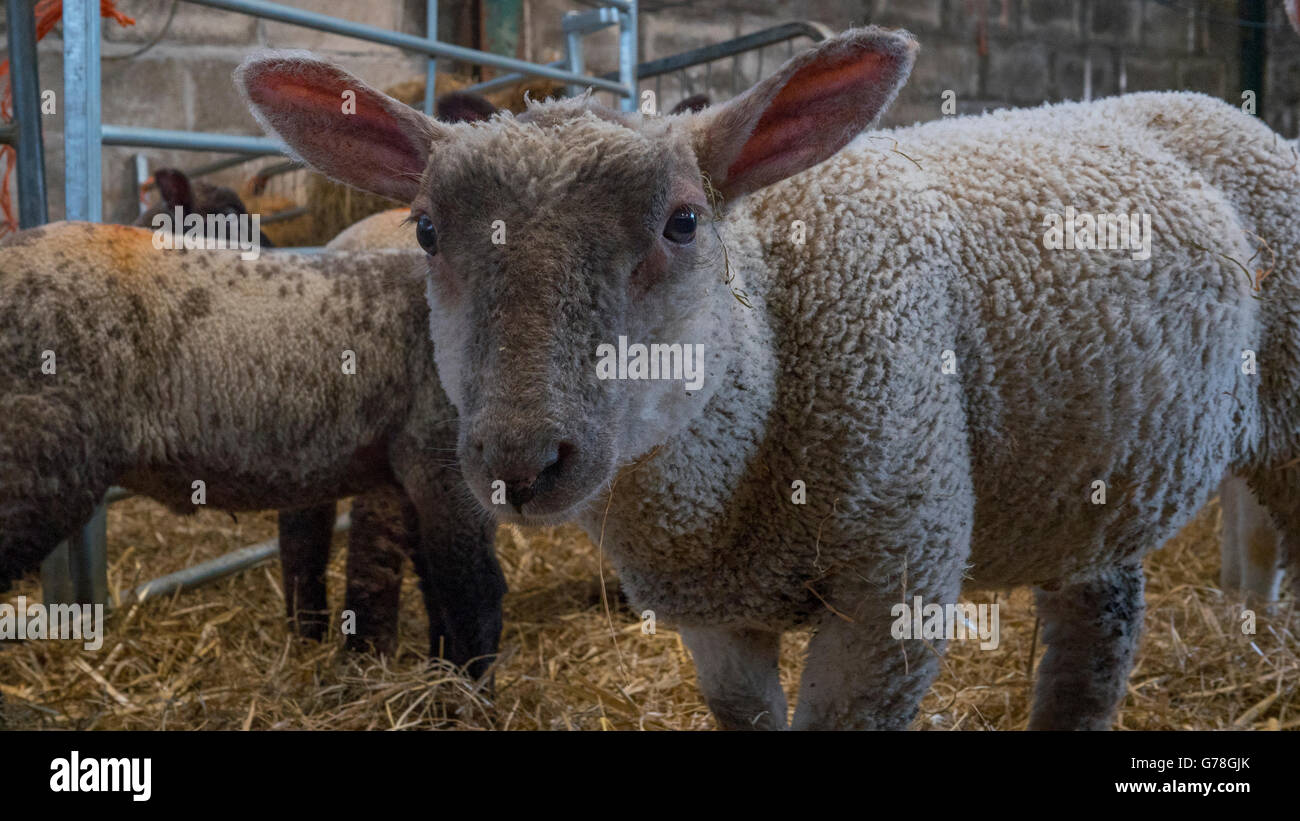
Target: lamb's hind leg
383, 527
52, 475
737, 669
305, 537
1091, 630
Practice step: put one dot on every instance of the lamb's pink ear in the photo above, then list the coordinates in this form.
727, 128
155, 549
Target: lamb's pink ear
811, 108
365, 139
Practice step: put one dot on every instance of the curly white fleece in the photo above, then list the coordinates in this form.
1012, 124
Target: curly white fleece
1072, 367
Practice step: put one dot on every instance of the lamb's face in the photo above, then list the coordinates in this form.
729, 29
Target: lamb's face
557, 234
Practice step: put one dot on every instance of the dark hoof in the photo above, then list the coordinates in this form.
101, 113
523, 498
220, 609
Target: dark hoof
309, 626
369, 644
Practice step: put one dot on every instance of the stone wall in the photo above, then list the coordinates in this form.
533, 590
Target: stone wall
1031, 51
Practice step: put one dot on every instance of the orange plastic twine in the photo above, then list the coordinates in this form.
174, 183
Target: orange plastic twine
48, 14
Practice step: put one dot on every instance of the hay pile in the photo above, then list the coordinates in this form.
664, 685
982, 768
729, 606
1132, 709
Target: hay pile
220, 658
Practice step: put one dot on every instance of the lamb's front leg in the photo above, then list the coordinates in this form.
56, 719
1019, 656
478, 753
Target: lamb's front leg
737, 669
858, 676
1091, 630
454, 553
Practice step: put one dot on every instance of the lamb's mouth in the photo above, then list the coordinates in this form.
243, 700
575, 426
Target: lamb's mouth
523, 517
534, 513
557, 506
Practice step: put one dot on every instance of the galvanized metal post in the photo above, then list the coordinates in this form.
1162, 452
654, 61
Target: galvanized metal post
81, 139
578, 24
77, 570
1252, 48
431, 70
56, 577
139, 177
88, 559
573, 56
27, 113
627, 54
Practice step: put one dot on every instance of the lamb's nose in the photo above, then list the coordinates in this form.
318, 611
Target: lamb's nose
525, 476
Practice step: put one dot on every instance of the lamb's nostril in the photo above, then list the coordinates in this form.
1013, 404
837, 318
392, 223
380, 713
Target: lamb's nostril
557, 457
563, 454
525, 480
520, 491
549, 462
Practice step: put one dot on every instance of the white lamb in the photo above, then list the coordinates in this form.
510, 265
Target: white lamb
960, 402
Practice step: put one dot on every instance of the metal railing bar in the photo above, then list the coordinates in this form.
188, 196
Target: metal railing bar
116, 494
189, 140
749, 42
503, 81
213, 569
409, 42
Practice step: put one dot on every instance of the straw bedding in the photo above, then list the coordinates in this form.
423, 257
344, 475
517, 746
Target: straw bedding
220, 657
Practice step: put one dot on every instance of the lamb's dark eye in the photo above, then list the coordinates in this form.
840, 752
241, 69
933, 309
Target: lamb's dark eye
681, 225
425, 235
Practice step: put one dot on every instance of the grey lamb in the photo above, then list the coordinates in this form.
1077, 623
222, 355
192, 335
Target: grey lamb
890, 333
